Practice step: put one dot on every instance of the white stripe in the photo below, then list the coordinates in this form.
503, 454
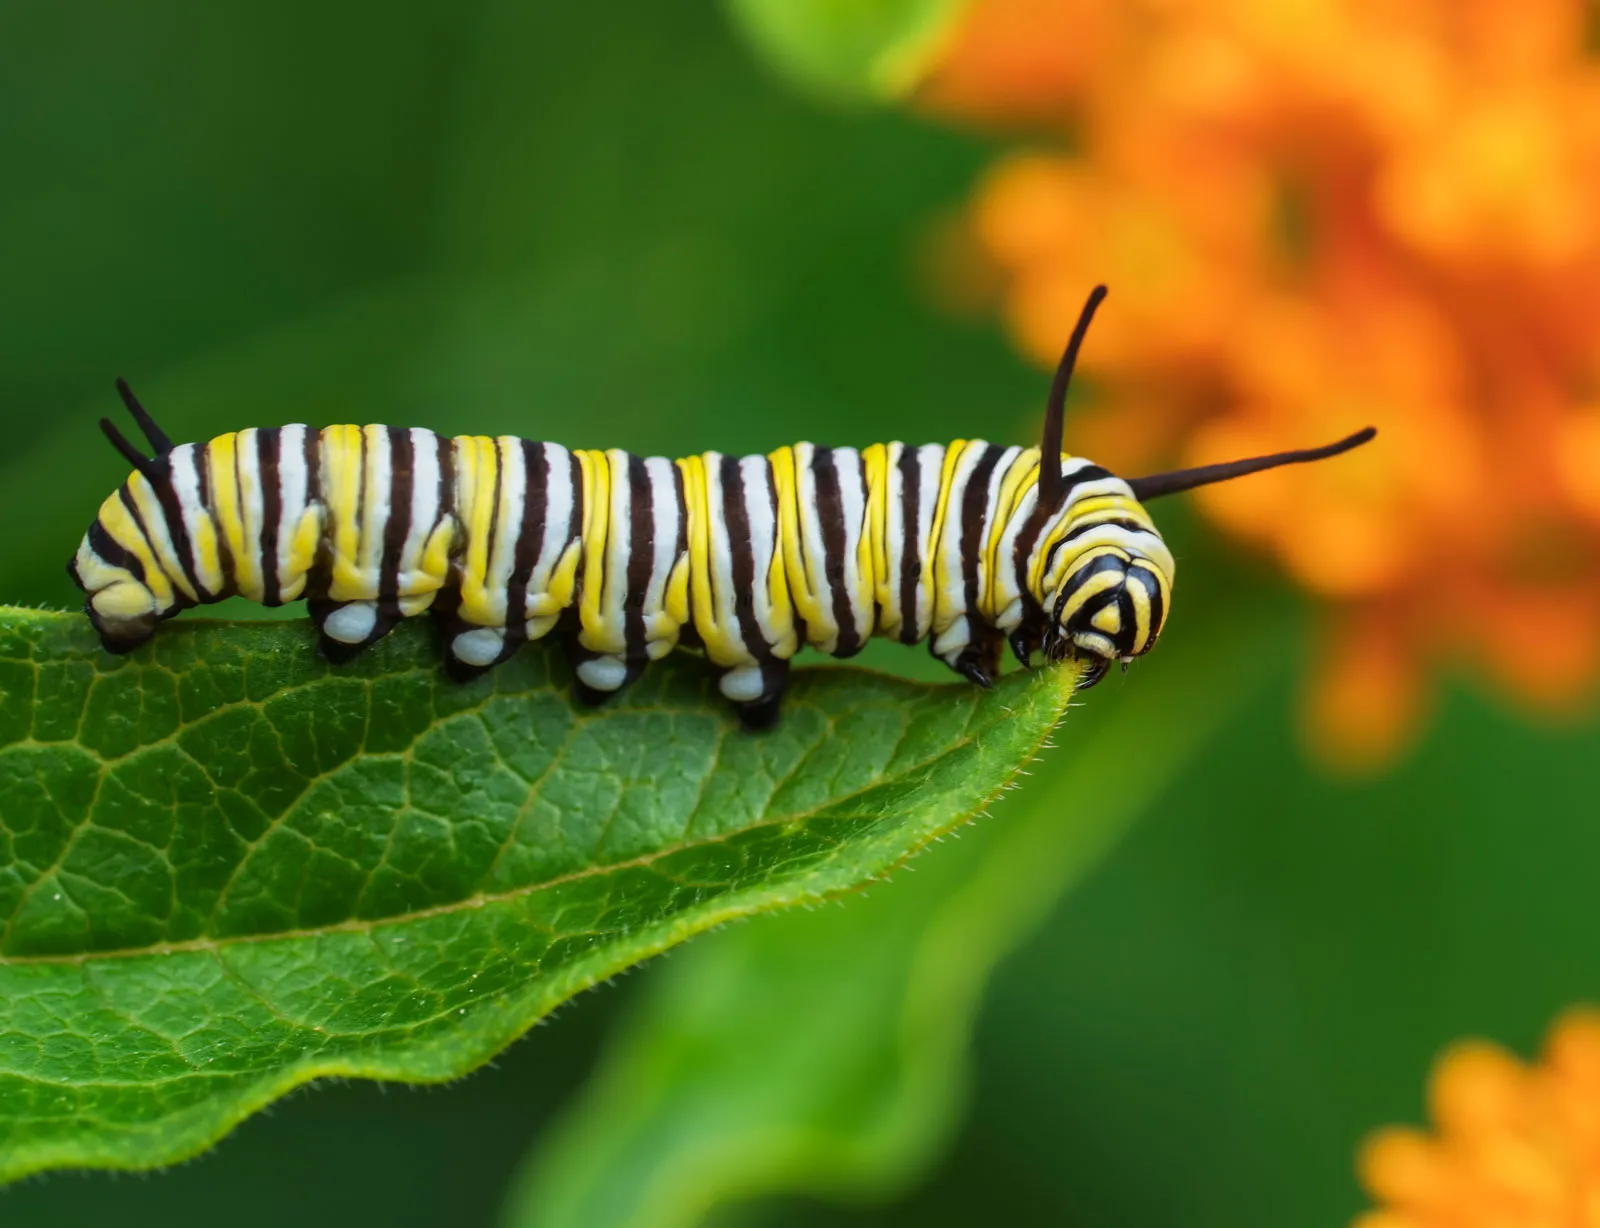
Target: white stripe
373, 514
508, 524
292, 483
1011, 578
760, 516
252, 512
659, 473
991, 509
557, 513
930, 471
424, 508
853, 508
894, 541
619, 544
720, 559
1141, 543
185, 470
951, 602
821, 632
1110, 485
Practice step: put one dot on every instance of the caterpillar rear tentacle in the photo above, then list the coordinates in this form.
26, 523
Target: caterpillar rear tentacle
968, 546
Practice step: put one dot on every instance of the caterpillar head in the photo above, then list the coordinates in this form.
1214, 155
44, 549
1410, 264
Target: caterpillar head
1115, 587
1110, 607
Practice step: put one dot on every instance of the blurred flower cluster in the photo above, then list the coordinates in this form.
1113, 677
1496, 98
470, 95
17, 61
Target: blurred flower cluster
1516, 1144
1316, 214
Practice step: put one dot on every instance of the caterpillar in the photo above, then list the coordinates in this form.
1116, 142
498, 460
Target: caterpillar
967, 545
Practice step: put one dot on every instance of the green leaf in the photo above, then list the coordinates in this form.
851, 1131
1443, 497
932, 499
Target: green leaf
825, 1052
849, 50
227, 868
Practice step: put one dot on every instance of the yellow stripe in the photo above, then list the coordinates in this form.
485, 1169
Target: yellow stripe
938, 578
247, 564
878, 463
786, 481
596, 520
607, 632
1015, 484
873, 553
675, 599
477, 460
341, 487
1095, 585
1112, 506
225, 505
372, 523
125, 532
1141, 617
702, 599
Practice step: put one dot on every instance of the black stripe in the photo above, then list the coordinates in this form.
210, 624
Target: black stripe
318, 573
1080, 577
402, 480
312, 447
830, 515
1127, 628
741, 559
1029, 536
178, 528
1089, 473
575, 520
530, 537
267, 445
1157, 606
777, 533
238, 488
113, 553
1079, 530
974, 503
683, 514
911, 544
126, 496
641, 551
447, 483
1027, 539
1083, 620
201, 458
1118, 522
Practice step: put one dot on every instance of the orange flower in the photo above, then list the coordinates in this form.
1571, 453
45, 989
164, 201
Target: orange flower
1515, 1144
1313, 216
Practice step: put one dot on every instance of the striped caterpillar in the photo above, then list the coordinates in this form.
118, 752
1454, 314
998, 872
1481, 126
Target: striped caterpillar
968, 545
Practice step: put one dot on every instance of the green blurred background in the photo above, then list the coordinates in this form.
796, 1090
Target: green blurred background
611, 226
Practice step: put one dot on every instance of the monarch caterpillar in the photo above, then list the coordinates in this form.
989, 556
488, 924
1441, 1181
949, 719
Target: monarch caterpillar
967, 545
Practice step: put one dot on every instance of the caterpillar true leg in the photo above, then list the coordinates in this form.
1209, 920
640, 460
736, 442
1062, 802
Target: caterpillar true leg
979, 661
1025, 641
968, 545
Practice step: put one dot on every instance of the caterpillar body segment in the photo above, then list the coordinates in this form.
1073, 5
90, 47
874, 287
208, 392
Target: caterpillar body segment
748, 559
